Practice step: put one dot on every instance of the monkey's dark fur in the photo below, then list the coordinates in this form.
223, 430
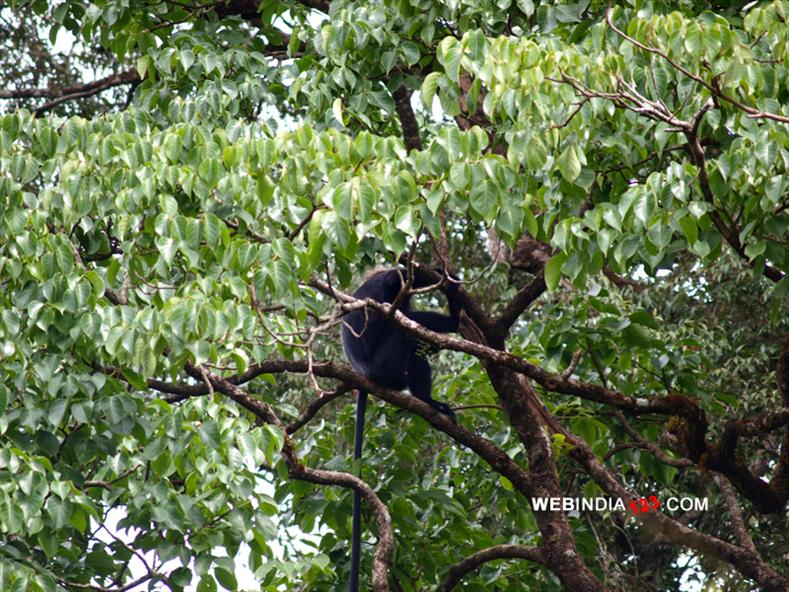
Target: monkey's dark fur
385, 353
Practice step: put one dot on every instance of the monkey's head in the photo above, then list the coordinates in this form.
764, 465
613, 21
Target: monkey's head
424, 277
392, 279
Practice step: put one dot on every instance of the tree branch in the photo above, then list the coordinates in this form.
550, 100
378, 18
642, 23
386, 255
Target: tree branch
458, 571
296, 470
315, 406
402, 98
484, 448
730, 234
520, 302
668, 405
737, 520
628, 97
714, 89
74, 90
719, 457
658, 524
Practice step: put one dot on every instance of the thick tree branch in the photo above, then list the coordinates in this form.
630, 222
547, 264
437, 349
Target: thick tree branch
483, 447
762, 424
520, 302
661, 525
527, 416
667, 405
402, 98
737, 520
719, 457
458, 571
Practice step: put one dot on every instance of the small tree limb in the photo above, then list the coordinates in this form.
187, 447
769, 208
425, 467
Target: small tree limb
459, 570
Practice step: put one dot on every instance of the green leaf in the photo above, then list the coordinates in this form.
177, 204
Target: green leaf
341, 201
59, 511
636, 336
754, 249
336, 108
689, 229
206, 584
226, 578
526, 7
187, 58
275, 439
643, 317
209, 435
484, 199
449, 55
264, 189
569, 163
405, 220
428, 91
211, 229
536, 154
553, 270
367, 201
281, 276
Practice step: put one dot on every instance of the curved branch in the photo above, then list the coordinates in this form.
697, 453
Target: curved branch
761, 424
296, 470
720, 458
484, 448
737, 520
72, 92
519, 303
668, 405
315, 406
458, 571
661, 525
730, 233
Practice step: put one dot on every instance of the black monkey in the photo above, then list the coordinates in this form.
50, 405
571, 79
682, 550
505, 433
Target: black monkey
387, 355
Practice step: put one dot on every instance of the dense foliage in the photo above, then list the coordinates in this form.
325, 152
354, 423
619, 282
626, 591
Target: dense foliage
190, 192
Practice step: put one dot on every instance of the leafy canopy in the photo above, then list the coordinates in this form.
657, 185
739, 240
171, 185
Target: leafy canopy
646, 149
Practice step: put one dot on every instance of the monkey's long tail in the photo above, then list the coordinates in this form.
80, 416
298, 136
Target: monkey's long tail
356, 537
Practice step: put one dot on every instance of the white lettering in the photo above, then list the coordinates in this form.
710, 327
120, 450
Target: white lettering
539, 504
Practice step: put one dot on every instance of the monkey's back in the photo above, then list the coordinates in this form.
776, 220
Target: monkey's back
374, 346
